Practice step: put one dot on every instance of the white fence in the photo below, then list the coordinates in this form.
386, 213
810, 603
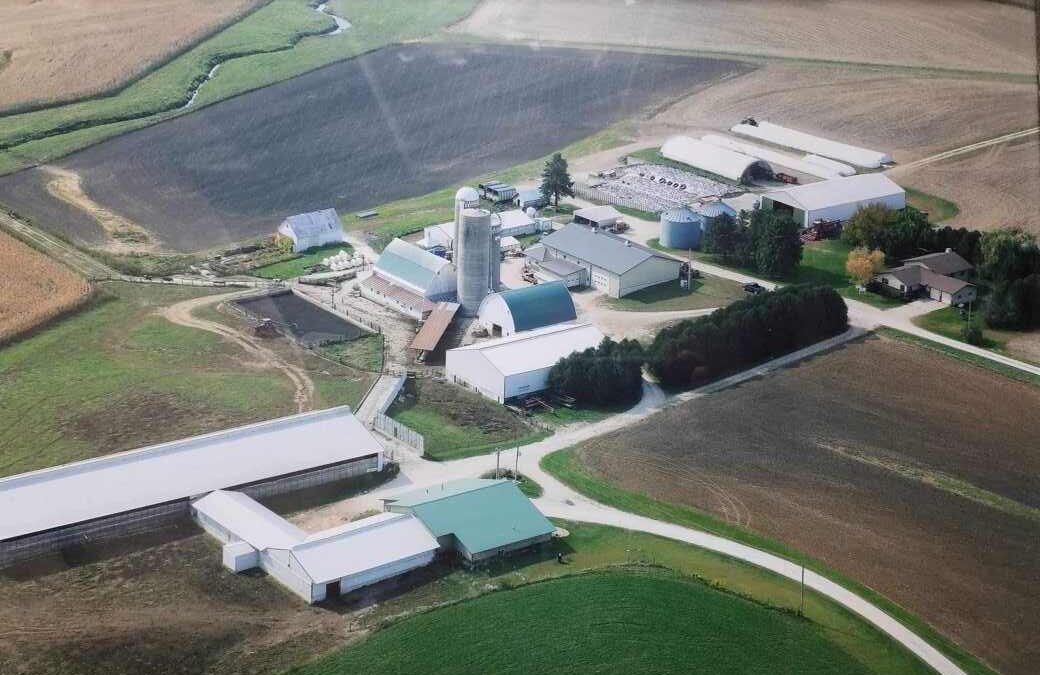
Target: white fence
394, 429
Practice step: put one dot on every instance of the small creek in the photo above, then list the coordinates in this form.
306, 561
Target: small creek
341, 25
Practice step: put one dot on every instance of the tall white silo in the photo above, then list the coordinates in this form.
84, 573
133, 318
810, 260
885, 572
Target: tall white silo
472, 250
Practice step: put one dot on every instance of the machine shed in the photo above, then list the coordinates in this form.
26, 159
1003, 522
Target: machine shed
527, 308
835, 199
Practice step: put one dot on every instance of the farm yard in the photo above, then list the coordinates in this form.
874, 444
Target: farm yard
172, 608
117, 376
927, 495
34, 288
975, 36
400, 140
57, 51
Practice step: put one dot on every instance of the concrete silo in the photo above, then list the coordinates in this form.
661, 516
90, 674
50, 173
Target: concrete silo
681, 228
473, 243
495, 257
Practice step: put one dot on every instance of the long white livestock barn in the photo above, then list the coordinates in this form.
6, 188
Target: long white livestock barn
792, 138
772, 156
735, 166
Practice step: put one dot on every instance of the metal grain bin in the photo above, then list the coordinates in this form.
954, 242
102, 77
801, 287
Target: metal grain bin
681, 228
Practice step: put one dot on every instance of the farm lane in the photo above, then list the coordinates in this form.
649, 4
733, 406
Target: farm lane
964, 149
560, 501
181, 314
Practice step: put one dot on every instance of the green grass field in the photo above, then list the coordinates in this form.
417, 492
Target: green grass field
289, 269
706, 292
456, 423
565, 467
267, 46
938, 209
948, 323
612, 622
365, 353
117, 376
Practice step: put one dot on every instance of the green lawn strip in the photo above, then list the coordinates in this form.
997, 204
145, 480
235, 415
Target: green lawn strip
954, 353
938, 209
645, 621
706, 292
561, 416
364, 353
270, 45
637, 213
408, 216
528, 485
275, 26
295, 267
117, 376
874, 299
457, 423
598, 549
567, 468
948, 323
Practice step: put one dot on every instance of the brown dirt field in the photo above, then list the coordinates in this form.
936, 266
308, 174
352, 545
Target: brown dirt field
34, 288
964, 34
63, 49
996, 187
823, 459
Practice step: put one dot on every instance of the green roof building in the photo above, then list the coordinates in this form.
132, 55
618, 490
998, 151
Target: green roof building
478, 518
527, 308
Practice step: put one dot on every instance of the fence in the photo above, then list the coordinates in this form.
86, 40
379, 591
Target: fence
394, 429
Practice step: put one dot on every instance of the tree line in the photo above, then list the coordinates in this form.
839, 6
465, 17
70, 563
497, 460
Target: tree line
768, 242
606, 375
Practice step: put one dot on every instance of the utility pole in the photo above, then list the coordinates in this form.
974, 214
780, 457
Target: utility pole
801, 604
516, 469
498, 453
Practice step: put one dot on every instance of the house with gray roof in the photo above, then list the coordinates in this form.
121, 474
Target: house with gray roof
615, 265
310, 230
939, 276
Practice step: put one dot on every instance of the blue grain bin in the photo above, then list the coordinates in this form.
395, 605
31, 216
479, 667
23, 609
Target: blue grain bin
681, 228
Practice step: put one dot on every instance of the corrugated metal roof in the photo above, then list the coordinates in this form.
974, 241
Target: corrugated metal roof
410, 265
315, 222
601, 249
716, 209
541, 305
433, 328
598, 214
711, 158
536, 349
249, 520
363, 545
837, 191
791, 138
483, 515
72, 493
512, 218
683, 214
559, 267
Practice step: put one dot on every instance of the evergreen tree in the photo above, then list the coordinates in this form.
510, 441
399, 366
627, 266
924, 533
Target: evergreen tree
556, 180
776, 242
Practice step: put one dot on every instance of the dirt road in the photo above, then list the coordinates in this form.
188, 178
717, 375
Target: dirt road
181, 314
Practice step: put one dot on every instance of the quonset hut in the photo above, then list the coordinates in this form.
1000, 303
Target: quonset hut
527, 308
729, 164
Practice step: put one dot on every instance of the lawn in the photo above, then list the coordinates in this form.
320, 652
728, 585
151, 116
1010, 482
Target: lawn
565, 467
948, 323
295, 267
528, 486
706, 292
364, 353
938, 209
561, 416
456, 423
608, 622
267, 46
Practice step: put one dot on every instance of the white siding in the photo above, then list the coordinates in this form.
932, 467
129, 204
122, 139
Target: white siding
651, 272
494, 311
471, 369
530, 382
378, 574
843, 212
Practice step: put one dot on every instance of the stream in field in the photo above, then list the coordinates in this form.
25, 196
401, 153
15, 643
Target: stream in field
341, 25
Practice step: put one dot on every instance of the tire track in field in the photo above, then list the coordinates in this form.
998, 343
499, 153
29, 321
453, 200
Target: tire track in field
181, 314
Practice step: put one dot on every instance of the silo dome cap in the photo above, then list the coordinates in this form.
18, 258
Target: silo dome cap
683, 214
467, 194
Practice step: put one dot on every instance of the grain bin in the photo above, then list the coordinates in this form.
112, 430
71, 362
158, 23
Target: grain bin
472, 249
681, 228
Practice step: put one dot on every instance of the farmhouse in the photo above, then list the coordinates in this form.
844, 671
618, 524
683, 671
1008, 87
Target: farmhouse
614, 265
313, 566
518, 365
308, 230
131, 491
603, 217
939, 276
526, 308
724, 162
409, 279
477, 518
836, 199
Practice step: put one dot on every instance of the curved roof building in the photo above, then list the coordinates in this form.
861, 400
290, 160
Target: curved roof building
730, 164
527, 308
409, 279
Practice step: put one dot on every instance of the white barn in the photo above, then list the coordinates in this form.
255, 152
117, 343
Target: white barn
835, 199
314, 566
527, 308
518, 365
309, 230
615, 265
409, 279
724, 162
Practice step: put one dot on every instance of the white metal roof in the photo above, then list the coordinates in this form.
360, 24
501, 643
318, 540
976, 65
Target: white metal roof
363, 545
771, 156
837, 191
513, 218
791, 138
837, 167
249, 520
708, 157
72, 493
597, 214
536, 349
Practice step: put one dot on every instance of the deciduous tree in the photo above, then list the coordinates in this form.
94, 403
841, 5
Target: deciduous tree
863, 264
